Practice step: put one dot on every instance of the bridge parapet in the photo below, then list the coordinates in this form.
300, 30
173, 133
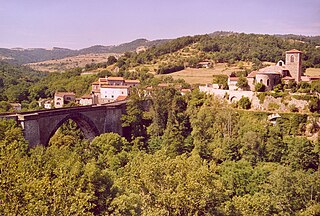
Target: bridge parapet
39, 126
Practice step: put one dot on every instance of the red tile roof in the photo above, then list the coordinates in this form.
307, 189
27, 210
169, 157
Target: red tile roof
115, 79
233, 78
121, 97
294, 51
185, 90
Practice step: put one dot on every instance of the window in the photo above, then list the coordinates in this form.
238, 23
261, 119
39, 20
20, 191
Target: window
58, 98
261, 81
268, 82
280, 63
112, 96
291, 58
68, 98
58, 103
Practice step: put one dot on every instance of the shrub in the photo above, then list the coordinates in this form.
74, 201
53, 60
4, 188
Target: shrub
261, 97
313, 105
260, 87
244, 103
169, 69
273, 106
293, 108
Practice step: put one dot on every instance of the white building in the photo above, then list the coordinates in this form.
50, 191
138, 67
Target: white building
110, 89
110, 93
86, 100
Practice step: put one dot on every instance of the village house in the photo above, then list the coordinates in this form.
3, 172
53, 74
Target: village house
204, 64
86, 100
110, 89
232, 82
62, 98
45, 103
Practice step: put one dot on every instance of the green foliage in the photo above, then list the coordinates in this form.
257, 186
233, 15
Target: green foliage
259, 87
242, 83
221, 80
166, 69
314, 105
244, 103
186, 155
111, 60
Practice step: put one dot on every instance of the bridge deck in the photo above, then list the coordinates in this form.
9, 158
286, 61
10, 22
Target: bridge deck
79, 108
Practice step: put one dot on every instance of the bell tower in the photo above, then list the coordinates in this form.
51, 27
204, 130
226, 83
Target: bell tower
294, 64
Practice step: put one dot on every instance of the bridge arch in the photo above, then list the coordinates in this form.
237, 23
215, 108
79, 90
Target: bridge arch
86, 125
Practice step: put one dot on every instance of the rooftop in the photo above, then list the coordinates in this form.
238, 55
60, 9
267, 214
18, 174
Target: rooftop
115, 79
61, 94
233, 78
294, 51
86, 97
132, 81
114, 86
121, 97
252, 74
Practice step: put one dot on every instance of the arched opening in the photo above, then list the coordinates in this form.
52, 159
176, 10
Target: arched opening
280, 63
261, 81
291, 58
233, 99
73, 128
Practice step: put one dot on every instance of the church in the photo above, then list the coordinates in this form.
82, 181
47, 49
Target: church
290, 70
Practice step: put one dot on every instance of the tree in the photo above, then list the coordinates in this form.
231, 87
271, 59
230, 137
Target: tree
242, 83
111, 60
313, 105
259, 87
221, 80
244, 103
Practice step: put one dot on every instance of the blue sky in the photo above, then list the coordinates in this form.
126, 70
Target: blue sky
82, 23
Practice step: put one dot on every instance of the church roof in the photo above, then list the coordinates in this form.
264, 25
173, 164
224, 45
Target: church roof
294, 51
252, 74
272, 69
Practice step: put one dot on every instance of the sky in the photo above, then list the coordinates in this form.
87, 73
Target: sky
78, 24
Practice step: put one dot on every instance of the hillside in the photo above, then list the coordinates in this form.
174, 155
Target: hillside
221, 47
31, 55
67, 63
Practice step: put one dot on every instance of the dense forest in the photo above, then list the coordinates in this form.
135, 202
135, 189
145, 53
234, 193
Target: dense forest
181, 155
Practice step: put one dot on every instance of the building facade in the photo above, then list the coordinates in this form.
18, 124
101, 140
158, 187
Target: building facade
110, 89
63, 98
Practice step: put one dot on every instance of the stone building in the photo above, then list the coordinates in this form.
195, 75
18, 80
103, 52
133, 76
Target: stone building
273, 75
62, 98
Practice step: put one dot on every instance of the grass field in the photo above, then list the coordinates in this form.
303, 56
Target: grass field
202, 75
313, 72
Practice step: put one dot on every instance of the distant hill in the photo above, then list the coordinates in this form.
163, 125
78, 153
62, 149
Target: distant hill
24, 56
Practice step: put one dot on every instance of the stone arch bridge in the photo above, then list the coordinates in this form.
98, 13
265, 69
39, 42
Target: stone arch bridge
39, 126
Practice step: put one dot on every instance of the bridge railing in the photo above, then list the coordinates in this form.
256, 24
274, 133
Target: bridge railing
112, 104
